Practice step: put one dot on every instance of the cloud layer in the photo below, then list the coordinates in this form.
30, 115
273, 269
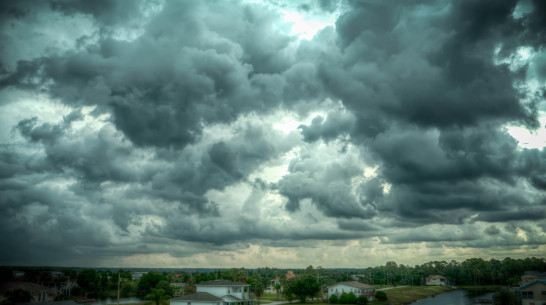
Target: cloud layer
162, 133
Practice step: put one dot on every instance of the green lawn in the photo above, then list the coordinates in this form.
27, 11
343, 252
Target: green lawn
404, 295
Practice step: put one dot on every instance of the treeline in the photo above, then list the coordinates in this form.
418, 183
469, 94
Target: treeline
474, 271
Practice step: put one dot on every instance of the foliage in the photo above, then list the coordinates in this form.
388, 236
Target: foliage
347, 298
473, 271
381, 296
505, 297
189, 289
17, 296
333, 299
158, 297
148, 281
362, 300
303, 286
278, 289
89, 280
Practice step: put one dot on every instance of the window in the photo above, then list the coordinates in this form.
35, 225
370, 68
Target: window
528, 295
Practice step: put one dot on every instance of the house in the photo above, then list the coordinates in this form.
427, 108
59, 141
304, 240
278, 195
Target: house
353, 286
217, 292
38, 293
178, 288
436, 280
137, 275
533, 293
531, 276
273, 282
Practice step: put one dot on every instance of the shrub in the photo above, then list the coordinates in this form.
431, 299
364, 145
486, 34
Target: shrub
347, 298
343, 299
381, 296
333, 299
351, 299
362, 300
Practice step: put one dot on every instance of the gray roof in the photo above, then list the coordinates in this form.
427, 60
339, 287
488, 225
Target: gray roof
222, 283
198, 296
233, 297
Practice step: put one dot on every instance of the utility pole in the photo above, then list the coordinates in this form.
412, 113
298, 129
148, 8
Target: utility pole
119, 282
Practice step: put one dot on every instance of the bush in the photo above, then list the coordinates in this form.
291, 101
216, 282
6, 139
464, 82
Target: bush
343, 298
347, 298
362, 300
333, 299
351, 299
381, 296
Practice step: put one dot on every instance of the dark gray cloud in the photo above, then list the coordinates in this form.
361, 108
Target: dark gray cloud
170, 126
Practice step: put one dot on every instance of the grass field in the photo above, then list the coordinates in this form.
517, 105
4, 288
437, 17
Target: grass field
404, 295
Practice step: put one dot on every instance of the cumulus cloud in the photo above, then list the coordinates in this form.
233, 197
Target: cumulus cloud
186, 130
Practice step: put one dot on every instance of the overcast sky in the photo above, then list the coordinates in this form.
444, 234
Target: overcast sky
271, 133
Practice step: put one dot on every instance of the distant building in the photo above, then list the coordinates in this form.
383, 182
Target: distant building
533, 293
436, 280
532, 276
273, 282
38, 293
178, 288
353, 286
137, 275
217, 292
17, 274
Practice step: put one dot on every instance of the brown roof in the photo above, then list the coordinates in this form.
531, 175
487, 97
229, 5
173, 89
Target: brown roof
198, 296
435, 277
222, 283
354, 284
26, 286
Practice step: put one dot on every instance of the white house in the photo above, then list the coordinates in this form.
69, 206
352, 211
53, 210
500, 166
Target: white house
533, 293
353, 286
217, 292
436, 280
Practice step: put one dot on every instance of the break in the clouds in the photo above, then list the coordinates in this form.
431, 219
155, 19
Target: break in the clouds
271, 133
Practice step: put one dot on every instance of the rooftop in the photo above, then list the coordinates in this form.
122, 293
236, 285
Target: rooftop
222, 283
354, 284
198, 296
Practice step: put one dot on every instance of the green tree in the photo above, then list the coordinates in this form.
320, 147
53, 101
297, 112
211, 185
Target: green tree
89, 281
303, 286
333, 299
278, 289
258, 290
149, 281
166, 287
381, 296
505, 297
157, 297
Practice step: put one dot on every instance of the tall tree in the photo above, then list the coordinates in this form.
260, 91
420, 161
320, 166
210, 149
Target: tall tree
303, 286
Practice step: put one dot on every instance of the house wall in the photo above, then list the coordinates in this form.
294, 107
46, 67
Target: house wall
340, 288
539, 295
219, 291
437, 282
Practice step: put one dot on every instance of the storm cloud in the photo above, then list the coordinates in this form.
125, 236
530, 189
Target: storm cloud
177, 132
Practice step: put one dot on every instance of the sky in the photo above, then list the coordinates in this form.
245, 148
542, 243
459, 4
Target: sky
275, 133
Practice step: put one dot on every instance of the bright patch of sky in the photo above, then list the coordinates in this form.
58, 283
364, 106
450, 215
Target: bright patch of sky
304, 22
